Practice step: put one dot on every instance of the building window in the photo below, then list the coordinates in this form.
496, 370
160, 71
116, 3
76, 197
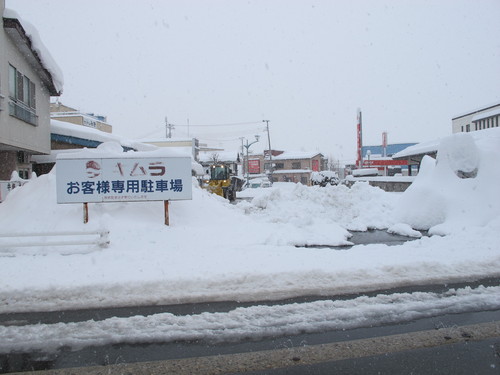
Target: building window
279, 166
24, 173
303, 180
23, 157
467, 128
22, 94
296, 165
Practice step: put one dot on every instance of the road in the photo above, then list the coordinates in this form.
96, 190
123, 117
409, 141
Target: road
420, 345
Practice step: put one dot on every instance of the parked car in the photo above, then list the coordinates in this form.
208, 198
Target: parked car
257, 183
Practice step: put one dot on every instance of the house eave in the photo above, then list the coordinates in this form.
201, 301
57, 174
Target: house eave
16, 32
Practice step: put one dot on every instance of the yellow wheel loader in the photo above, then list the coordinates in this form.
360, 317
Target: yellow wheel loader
222, 183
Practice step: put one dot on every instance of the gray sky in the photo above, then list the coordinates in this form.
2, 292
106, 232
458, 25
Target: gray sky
306, 66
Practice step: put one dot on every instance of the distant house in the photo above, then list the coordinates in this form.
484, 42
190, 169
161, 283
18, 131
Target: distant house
186, 145
287, 166
61, 112
28, 78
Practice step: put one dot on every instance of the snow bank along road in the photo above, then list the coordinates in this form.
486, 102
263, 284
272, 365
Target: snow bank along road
420, 352
238, 324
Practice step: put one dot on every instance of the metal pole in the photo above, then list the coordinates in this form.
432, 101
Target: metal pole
270, 151
248, 174
243, 171
247, 146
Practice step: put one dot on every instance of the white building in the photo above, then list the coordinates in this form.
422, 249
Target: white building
479, 119
28, 78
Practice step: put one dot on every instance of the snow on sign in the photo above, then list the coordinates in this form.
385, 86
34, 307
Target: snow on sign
92, 180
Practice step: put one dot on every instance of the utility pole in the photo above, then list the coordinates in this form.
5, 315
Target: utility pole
169, 128
247, 146
270, 152
243, 164
359, 160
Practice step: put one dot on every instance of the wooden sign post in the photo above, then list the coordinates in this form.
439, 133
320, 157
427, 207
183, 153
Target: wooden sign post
167, 217
85, 213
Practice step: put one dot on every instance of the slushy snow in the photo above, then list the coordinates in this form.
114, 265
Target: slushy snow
253, 251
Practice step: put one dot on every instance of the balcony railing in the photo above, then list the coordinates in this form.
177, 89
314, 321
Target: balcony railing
23, 113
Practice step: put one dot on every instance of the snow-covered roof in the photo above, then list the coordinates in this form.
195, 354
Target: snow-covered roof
491, 105
381, 178
484, 115
28, 32
418, 149
289, 171
84, 132
432, 146
291, 155
165, 139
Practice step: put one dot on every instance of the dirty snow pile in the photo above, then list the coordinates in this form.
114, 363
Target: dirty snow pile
215, 251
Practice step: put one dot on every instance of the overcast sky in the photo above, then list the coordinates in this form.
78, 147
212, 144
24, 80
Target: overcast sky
306, 66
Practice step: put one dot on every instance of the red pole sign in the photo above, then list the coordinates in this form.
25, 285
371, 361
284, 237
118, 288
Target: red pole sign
359, 160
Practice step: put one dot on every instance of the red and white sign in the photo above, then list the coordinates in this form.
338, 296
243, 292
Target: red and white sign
315, 165
254, 166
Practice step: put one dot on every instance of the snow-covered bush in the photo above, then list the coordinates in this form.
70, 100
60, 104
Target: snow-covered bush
324, 178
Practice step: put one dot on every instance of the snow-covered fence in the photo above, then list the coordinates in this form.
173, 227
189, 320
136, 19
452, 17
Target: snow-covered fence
97, 238
7, 186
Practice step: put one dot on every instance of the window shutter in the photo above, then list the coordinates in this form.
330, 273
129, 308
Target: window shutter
12, 82
20, 87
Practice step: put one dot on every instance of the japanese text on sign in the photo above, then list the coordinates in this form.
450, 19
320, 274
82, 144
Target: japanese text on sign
102, 179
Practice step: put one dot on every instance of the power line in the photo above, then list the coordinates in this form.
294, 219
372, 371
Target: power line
228, 124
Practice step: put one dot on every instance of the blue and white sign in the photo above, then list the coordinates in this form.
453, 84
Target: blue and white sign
86, 180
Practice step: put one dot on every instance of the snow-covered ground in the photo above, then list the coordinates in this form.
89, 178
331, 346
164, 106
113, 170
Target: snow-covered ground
216, 251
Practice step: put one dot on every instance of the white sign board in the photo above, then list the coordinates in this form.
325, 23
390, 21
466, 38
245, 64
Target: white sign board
85, 180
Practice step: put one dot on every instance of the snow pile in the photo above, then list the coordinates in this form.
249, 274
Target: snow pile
216, 251
404, 230
360, 208
459, 189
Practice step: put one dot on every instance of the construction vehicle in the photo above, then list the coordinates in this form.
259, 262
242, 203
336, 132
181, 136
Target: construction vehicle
222, 183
